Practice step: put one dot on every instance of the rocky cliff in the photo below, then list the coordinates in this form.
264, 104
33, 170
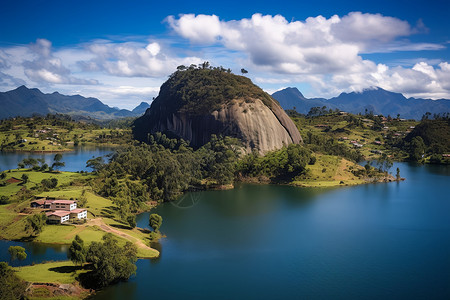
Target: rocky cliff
193, 104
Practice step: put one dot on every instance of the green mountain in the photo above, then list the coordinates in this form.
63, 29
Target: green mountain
195, 103
25, 102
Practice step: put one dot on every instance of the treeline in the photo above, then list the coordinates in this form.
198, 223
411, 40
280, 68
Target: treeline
163, 170
330, 145
59, 120
281, 165
430, 138
166, 168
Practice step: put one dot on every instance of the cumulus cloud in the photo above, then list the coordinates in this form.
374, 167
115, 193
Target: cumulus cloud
325, 52
132, 59
45, 67
316, 45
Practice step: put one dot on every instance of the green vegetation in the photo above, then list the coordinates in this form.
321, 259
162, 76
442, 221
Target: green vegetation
155, 222
35, 223
54, 272
198, 91
429, 141
77, 251
204, 89
17, 252
11, 286
354, 137
57, 133
280, 166
111, 263
138, 173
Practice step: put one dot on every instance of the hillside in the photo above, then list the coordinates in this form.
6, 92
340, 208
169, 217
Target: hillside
195, 103
25, 102
377, 101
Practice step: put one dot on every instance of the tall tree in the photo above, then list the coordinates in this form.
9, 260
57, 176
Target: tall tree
77, 251
17, 252
110, 262
35, 223
155, 222
57, 162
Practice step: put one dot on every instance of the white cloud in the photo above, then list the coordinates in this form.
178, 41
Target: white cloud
153, 48
326, 53
47, 68
132, 60
326, 56
200, 28
316, 45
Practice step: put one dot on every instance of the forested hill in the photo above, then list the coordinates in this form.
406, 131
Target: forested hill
195, 103
25, 102
377, 101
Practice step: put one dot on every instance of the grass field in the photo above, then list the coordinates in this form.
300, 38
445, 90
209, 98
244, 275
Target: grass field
59, 139
35, 178
53, 272
329, 171
64, 234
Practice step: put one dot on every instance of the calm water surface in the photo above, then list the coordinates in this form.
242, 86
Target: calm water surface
278, 242
74, 160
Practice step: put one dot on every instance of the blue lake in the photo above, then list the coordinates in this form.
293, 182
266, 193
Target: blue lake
387, 240
74, 160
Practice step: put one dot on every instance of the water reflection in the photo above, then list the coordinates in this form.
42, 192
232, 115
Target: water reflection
74, 160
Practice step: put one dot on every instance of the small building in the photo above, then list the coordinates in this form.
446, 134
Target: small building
58, 217
63, 205
78, 214
39, 203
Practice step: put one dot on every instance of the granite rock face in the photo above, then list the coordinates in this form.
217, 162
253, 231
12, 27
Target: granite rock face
260, 124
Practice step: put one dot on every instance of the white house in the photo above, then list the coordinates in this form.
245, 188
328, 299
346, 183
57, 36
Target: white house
58, 217
63, 205
78, 214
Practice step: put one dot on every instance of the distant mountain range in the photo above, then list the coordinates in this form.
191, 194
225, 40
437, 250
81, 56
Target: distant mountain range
375, 100
25, 102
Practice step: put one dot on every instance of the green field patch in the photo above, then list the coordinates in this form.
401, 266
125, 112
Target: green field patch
63, 272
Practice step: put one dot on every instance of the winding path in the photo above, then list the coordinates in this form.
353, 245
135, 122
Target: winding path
103, 226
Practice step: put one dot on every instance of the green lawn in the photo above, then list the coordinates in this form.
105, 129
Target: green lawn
329, 171
53, 272
35, 178
64, 234
6, 215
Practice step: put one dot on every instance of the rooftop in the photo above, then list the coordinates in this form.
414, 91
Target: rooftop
59, 213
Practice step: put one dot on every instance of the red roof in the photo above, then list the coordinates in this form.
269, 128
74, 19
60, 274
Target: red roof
40, 201
13, 180
77, 211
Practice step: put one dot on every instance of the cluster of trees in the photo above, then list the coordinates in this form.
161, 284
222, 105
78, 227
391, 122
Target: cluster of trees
109, 262
11, 286
163, 170
37, 121
38, 164
428, 138
17, 252
281, 165
34, 224
329, 145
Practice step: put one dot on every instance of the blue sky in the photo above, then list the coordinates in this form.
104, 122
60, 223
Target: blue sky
122, 51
